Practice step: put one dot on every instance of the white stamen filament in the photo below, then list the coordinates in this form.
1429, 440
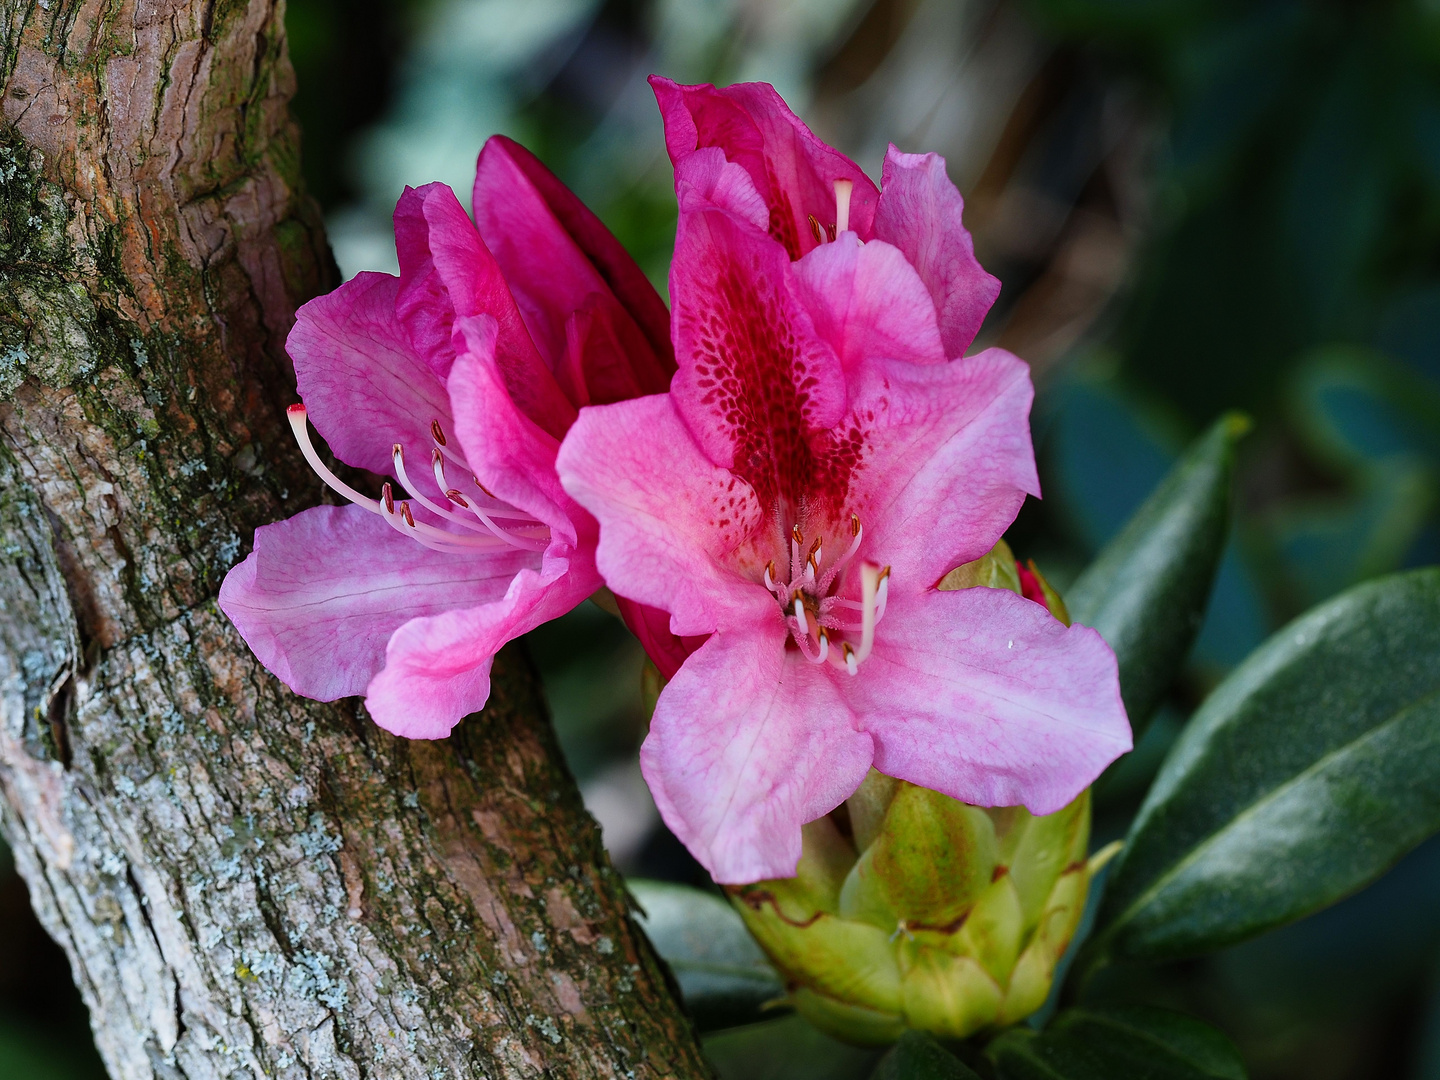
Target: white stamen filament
813, 612
397, 457
400, 518
843, 188
857, 533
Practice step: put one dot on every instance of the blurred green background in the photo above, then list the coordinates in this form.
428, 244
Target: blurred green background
1192, 205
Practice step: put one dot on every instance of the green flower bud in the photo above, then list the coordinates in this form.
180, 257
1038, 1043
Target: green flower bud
950, 919
910, 909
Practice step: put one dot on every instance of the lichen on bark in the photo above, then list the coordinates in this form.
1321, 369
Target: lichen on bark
246, 883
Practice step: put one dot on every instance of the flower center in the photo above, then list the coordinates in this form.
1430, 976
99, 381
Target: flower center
488, 525
816, 613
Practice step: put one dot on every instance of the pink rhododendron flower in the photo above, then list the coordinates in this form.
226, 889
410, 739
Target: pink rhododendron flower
822, 460
458, 379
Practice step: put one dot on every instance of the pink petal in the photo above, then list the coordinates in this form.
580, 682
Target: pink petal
982, 695
947, 462
651, 626
364, 384
755, 382
510, 454
555, 253
668, 517
321, 593
793, 170
920, 213
868, 302
597, 365
446, 272
705, 179
437, 669
749, 742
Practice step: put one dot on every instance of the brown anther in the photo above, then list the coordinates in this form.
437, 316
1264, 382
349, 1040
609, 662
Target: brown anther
482, 487
821, 634
816, 231
854, 524
883, 575
436, 457
814, 566
388, 496
846, 649
796, 534
831, 230
397, 451
770, 569
455, 497
405, 513
436, 432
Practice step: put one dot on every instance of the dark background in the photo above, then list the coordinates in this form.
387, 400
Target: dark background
1193, 206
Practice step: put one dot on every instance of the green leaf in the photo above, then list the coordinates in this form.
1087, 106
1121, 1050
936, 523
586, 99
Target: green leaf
1307, 773
918, 1056
1146, 591
788, 1049
722, 973
1117, 1044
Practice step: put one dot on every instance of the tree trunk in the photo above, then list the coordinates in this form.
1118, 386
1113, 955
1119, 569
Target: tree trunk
247, 883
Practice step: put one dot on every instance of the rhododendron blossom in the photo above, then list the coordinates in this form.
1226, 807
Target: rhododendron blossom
823, 458
458, 379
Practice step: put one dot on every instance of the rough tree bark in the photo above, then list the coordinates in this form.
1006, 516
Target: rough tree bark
246, 883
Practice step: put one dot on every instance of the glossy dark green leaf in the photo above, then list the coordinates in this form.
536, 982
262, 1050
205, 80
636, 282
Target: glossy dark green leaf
1308, 772
1131, 1043
1146, 592
918, 1056
722, 973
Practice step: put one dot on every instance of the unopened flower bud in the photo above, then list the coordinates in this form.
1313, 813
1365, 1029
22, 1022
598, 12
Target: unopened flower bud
911, 909
950, 919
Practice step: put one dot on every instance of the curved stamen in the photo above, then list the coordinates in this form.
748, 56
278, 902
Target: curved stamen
299, 424
530, 543
397, 457
437, 433
856, 535
800, 617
